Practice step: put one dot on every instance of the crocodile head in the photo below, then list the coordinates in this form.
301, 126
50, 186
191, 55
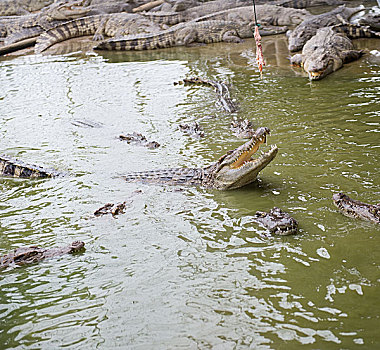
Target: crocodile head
277, 221
237, 168
321, 63
63, 10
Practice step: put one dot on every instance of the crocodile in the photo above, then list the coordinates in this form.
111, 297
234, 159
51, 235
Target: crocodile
185, 34
277, 221
329, 49
15, 168
193, 129
234, 169
220, 87
110, 208
111, 25
15, 29
140, 139
356, 209
242, 128
300, 4
267, 15
371, 19
33, 254
308, 28
22, 7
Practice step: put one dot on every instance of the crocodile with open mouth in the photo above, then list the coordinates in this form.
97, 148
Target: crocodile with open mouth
233, 170
356, 209
16, 168
277, 221
33, 254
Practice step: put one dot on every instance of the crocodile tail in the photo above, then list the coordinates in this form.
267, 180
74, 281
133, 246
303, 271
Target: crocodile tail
178, 176
138, 42
169, 18
72, 29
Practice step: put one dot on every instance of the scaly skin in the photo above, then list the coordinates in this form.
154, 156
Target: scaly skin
267, 14
233, 170
33, 254
19, 28
329, 49
301, 4
184, 34
22, 7
356, 209
112, 25
15, 168
308, 28
277, 221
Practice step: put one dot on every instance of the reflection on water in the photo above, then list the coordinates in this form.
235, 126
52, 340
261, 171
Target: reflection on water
188, 267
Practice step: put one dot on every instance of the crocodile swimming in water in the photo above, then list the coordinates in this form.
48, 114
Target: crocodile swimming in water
356, 209
329, 49
308, 28
33, 254
16, 168
277, 221
233, 170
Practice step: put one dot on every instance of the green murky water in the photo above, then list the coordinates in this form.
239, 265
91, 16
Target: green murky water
188, 269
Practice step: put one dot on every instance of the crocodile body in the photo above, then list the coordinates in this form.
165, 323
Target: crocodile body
329, 49
308, 28
277, 221
15, 29
301, 4
356, 209
22, 7
111, 25
267, 14
137, 138
233, 170
184, 34
15, 168
33, 254
371, 19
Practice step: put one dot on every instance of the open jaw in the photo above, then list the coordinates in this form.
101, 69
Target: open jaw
245, 156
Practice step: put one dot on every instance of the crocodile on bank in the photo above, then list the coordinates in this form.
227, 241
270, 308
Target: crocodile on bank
233, 170
267, 15
277, 221
220, 87
308, 28
15, 168
14, 29
329, 49
33, 254
184, 34
300, 4
356, 209
22, 7
111, 25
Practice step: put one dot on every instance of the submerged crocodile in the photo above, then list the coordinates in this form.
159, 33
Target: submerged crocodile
33, 254
308, 28
242, 128
22, 7
329, 49
15, 29
111, 25
220, 87
140, 139
277, 221
15, 168
356, 209
184, 34
193, 129
233, 170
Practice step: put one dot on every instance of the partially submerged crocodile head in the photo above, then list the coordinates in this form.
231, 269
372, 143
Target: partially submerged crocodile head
237, 168
356, 209
277, 221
